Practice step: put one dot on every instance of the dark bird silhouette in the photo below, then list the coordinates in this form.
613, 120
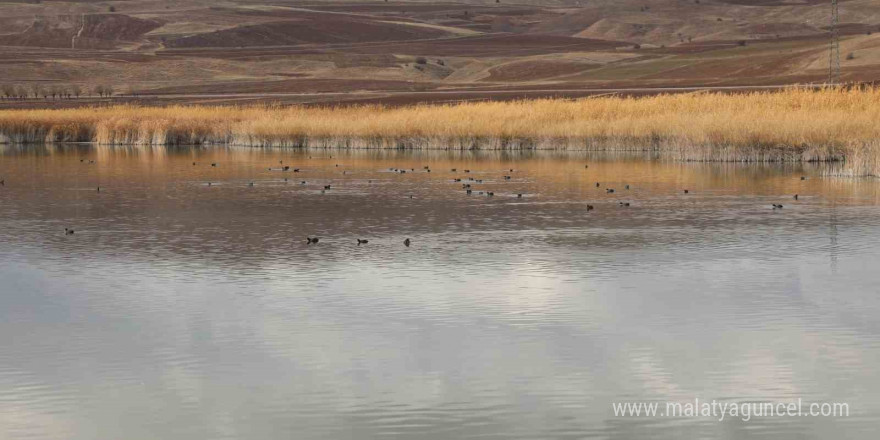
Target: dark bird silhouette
624, 203
209, 183
586, 166
510, 170
469, 192
609, 190
490, 194
589, 207
360, 242
285, 168
597, 184
310, 240
506, 177
686, 191
795, 196
99, 189
402, 171
775, 206
467, 171
295, 170
407, 242
456, 180
327, 186
454, 170
68, 231
303, 182
519, 196
194, 164
479, 180
213, 164
251, 184
803, 178
465, 185
627, 187
427, 168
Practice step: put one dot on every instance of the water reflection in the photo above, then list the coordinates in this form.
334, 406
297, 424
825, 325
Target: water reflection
182, 310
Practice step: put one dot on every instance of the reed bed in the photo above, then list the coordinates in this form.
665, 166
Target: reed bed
832, 124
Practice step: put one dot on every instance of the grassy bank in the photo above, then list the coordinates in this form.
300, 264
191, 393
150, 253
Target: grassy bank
790, 125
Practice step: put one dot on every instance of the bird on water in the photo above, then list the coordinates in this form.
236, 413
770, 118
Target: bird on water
68, 231
360, 242
407, 242
312, 240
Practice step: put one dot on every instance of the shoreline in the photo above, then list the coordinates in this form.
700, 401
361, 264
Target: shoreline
793, 125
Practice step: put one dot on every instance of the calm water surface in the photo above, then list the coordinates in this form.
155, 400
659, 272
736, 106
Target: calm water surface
182, 310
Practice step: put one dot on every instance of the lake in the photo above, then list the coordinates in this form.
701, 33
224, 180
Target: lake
188, 304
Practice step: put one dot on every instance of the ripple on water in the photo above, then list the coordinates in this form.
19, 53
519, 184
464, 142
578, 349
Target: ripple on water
182, 311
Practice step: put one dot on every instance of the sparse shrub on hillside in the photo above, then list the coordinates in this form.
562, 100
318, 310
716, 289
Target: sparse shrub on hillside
103, 90
851, 56
8, 91
36, 90
421, 60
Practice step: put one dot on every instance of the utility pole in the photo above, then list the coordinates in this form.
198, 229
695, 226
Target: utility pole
834, 56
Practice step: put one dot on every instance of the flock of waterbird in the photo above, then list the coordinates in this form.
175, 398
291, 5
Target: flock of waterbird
464, 181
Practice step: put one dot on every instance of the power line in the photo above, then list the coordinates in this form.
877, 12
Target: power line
834, 56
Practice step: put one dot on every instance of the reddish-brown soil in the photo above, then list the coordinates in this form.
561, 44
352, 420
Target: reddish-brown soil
321, 52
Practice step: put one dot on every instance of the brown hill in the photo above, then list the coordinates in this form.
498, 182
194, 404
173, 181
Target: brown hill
330, 50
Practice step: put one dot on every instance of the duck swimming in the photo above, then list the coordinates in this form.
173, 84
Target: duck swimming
360, 242
407, 242
310, 240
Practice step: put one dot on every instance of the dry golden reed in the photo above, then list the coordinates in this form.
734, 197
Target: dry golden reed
789, 125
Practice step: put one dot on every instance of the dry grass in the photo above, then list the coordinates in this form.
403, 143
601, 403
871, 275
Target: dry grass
790, 125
